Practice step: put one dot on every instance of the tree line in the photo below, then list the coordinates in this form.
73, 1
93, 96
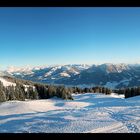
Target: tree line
96, 89
29, 90
129, 92
36, 91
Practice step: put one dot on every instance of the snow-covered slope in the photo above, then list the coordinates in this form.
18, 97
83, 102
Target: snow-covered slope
6, 83
11, 81
87, 113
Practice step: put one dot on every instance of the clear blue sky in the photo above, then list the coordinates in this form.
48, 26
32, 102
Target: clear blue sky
44, 36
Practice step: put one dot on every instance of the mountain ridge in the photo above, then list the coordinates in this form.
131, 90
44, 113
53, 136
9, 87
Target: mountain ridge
108, 74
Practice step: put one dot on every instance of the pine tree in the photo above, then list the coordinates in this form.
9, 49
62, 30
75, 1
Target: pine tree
64, 93
32, 92
108, 91
2, 93
42, 91
86, 90
96, 89
127, 93
11, 93
138, 90
104, 90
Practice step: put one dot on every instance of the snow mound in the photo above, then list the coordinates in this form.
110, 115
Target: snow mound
117, 96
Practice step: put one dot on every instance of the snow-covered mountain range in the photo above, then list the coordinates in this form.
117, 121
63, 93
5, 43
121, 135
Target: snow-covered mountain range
109, 75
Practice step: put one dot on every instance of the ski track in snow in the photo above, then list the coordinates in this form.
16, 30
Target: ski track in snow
87, 113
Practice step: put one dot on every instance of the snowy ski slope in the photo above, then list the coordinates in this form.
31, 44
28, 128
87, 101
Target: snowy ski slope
87, 113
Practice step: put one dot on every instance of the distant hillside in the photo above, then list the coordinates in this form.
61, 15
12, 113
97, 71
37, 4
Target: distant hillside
16, 89
108, 75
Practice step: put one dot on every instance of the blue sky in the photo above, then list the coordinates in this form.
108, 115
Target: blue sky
44, 36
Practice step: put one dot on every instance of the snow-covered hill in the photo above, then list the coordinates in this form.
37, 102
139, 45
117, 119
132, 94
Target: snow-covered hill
87, 113
6, 83
11, 81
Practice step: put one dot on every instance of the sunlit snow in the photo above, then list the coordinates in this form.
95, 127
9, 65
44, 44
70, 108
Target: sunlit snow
87, 113
6, 83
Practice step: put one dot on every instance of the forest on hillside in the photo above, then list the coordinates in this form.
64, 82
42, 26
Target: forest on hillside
29, 90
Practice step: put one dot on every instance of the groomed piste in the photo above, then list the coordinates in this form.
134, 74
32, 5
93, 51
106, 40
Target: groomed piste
87, 113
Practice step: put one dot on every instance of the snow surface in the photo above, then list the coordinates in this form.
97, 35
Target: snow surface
117, 96
64, 74
6, 83
87, 113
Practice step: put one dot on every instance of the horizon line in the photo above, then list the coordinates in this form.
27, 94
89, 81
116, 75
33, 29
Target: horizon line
51, 65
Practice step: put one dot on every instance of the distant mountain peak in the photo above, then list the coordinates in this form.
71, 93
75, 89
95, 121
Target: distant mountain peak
107, 74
